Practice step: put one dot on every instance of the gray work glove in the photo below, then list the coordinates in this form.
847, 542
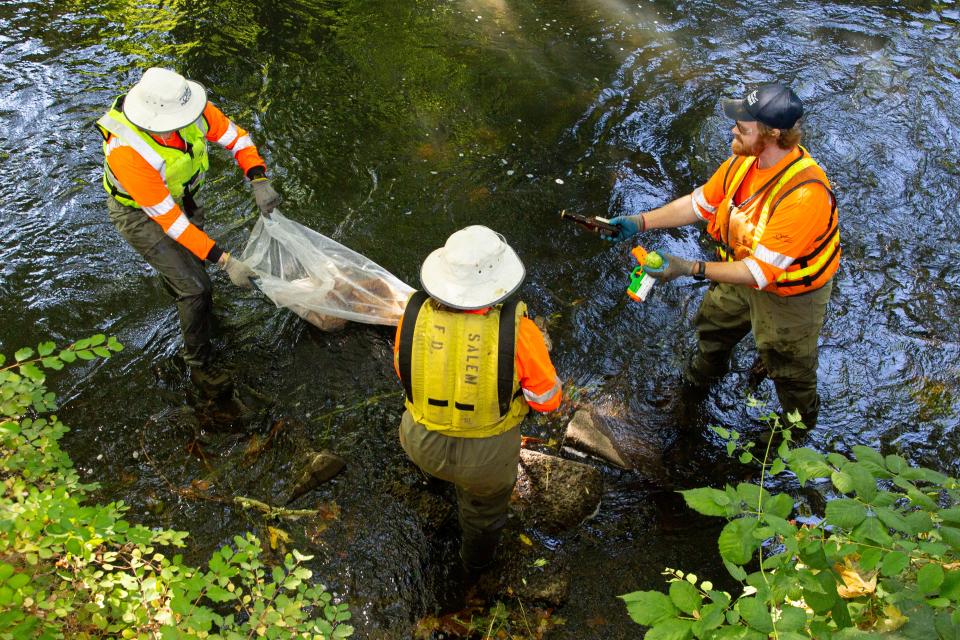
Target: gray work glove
266, 196
671, 269
240, 274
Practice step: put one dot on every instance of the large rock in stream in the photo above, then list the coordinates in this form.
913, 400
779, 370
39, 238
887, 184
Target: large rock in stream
316, 467
604, 435
555, 494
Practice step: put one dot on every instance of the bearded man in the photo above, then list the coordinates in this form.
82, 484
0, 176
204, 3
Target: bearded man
773, 216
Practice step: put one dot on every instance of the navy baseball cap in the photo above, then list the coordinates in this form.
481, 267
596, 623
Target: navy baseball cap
775, 105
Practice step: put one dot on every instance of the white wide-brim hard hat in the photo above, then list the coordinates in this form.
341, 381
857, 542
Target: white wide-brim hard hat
476, 268
164, 101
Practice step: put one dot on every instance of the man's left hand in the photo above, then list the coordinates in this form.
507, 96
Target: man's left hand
672, 268
266, 196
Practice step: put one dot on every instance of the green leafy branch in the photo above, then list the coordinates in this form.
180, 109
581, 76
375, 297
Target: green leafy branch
884, 556
73, 569
21, 382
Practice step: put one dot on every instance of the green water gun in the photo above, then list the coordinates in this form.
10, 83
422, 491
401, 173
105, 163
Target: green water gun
641, 282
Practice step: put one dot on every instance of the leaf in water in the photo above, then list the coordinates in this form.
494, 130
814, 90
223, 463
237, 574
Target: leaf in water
254, 447
317, 468
200, 485
525, 539
277, 536
329, 511
540, 562
526, 441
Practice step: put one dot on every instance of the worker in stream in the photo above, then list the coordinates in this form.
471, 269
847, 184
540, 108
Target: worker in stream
773, 217
155, 157
472, 365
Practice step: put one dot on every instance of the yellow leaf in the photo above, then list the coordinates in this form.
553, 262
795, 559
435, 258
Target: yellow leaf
854, 585
525, 539
893, 621
277, 536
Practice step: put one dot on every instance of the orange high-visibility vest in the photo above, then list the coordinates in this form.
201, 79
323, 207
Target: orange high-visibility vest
738, 228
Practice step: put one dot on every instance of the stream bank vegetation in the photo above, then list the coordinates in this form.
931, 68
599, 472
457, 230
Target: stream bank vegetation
71, 569
881, 560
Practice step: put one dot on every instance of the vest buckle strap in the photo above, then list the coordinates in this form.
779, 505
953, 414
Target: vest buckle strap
463, 407
438, 403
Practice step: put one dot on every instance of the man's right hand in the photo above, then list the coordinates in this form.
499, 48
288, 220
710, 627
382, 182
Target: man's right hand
240, 274
627, 227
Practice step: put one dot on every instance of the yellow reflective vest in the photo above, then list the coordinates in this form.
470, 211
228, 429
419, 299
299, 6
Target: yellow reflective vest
458, 369
181, 170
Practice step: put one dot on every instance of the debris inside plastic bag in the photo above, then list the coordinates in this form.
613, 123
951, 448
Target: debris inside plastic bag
319, 279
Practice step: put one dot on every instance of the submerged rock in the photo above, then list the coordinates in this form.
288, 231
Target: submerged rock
606, 436
533, 574
593, 437
554, 493
317, 468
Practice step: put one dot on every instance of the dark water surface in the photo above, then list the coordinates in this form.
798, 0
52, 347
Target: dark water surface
389, 125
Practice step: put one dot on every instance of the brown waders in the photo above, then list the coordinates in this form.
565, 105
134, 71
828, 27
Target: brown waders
786, 330
182, 273
483, 470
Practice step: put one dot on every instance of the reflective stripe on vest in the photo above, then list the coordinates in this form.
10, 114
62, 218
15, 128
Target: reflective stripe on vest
724, 251
787, 176
180, 170
458, 369
802, 272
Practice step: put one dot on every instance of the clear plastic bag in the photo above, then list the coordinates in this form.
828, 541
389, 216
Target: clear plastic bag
319, 279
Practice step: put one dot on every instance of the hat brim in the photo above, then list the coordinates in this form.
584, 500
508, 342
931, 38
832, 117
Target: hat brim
737, 110
149, 119
439, 282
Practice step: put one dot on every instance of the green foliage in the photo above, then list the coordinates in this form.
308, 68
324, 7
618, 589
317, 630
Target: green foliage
69, 569
883, 559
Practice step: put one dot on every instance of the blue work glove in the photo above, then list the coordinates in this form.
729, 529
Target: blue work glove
627, 227
671, 269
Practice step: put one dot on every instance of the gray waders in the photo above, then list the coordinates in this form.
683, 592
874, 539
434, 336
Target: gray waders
786, 330
182, 273
483, 470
